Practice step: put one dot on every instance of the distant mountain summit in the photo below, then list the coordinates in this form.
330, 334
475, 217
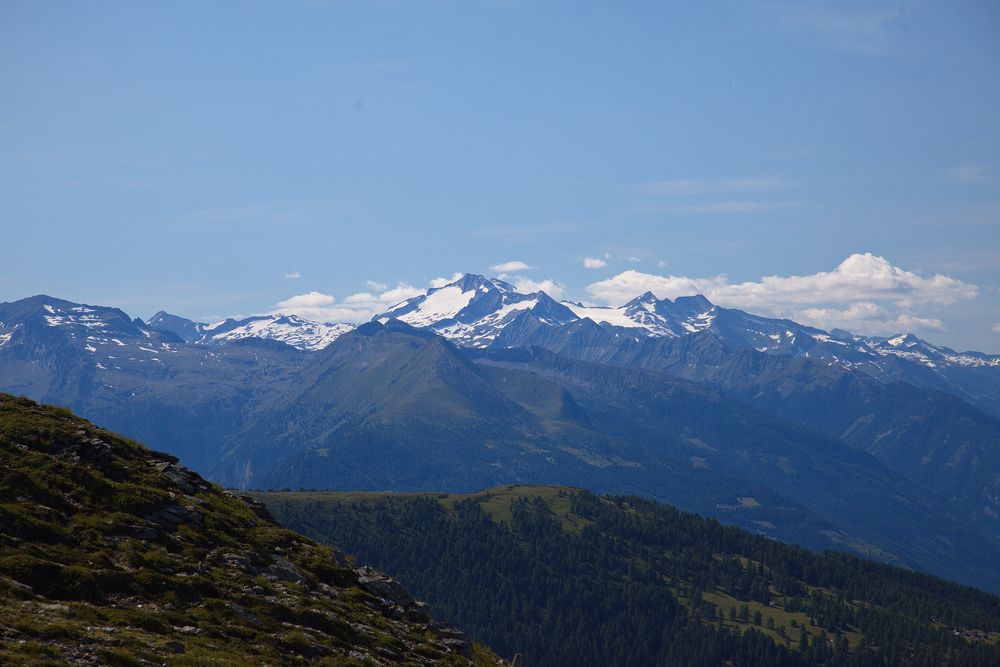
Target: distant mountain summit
59, 330
183, 327
68, 318
289, 329
473, 310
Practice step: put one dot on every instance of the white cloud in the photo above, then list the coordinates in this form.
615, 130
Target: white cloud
513, 265
866, 317
859, 277
358, 307
864, 290
996, 327
401, 292
441, 282
594, 263
294, 275
628, 284
311, 305
360, 297
905, 322
376, 285
307, 300
549, 286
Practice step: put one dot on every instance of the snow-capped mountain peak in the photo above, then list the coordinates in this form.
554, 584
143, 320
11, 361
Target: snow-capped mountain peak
655, 317
908, 346
467, 298
903, 341
77, 318
472, 310
291, 329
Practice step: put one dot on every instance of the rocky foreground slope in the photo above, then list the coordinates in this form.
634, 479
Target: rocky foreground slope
112, 554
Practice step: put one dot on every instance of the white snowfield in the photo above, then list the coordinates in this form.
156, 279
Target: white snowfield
483, 331
457, 312
616, 317
291, 329
438, 304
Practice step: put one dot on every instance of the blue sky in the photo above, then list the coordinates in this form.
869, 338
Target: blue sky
190, 156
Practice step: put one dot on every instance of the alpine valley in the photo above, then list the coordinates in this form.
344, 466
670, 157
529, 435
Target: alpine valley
885, 447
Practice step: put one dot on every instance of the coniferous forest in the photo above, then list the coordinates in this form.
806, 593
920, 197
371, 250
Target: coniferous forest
567, 577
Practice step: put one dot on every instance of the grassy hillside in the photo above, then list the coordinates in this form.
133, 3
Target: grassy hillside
571, 578
112, 554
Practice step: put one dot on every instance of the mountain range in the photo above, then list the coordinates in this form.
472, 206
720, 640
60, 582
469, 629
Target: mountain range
476, 312
885, 447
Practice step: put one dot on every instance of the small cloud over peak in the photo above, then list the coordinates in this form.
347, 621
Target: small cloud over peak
513, 265
594, 263
307, 300
401, 292
357, 307
549, 286
294, 275
441, 282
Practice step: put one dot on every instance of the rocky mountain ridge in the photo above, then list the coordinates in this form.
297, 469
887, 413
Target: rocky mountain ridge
110, 552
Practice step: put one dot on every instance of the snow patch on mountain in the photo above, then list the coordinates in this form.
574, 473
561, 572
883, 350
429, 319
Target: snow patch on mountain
440, 304
616, 317
289, 329
908, 346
